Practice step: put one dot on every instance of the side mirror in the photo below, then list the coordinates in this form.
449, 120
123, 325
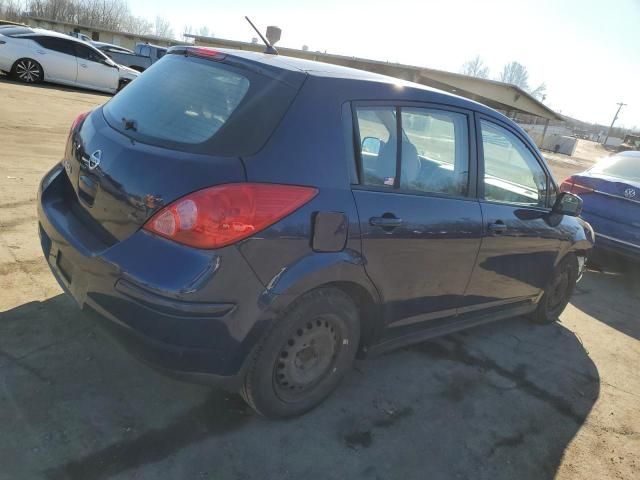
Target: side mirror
371, 145
568, 204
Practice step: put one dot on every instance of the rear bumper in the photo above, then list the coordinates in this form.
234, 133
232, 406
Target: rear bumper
155, 296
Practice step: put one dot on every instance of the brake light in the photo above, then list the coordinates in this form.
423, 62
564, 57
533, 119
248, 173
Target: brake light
78, 121
219, 216
566, 185
210, 53
572, 185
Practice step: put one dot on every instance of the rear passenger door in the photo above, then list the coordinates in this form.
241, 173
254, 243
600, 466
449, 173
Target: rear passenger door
521, 237
420, 222
58, 59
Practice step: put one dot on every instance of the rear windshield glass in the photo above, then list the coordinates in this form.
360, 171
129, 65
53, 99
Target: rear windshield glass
620, 166
187, 106
197, 105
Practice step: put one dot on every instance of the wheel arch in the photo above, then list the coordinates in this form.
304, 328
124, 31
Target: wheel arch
341, 270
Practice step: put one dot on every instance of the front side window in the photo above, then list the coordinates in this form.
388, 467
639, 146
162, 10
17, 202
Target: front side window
511, 172
434, 149
89, 54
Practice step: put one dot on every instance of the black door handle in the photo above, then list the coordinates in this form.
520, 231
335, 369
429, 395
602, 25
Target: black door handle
498, 227
385, 222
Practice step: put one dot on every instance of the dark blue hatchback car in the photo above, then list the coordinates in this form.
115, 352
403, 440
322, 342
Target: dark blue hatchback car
257, 221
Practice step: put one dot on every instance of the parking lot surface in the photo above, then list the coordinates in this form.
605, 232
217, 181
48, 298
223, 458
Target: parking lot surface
508, 400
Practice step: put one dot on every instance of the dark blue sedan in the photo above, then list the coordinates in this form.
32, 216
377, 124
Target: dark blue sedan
257, 221
611, 195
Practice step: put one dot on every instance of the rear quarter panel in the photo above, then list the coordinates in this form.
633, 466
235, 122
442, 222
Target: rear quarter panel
308, 148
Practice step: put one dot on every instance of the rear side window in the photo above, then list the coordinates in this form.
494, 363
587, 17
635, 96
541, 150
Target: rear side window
434, 149
198, 105
56, 44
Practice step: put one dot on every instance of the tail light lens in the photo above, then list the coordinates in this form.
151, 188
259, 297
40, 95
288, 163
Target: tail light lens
219, 216
78, 121
566, 185
574, 185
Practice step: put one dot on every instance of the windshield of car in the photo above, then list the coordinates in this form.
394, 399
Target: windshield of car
620, 166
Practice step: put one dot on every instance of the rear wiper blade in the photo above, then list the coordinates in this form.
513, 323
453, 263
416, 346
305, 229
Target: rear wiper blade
130, 124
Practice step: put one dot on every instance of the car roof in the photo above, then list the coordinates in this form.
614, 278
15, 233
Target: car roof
50, 33
327, 70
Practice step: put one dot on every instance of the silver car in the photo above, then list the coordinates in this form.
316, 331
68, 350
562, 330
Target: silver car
33, 55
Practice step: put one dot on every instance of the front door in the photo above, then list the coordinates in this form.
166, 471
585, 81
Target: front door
420, 225
521, 237
93, 71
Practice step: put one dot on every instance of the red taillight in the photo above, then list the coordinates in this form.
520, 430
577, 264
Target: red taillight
206, 52
78, 121
222, 215
574, 185
566, 185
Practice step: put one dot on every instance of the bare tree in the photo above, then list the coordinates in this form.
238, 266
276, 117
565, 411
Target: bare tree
163, 28
540, 92
137, 26
475, 68
108, 14
516, 74
11, 10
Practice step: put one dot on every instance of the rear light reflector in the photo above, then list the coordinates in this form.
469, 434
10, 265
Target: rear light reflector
78, 121
219, 216
573, 185
566, 185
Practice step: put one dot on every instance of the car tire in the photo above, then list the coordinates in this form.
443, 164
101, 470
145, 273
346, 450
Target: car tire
558, 292
304, 356
27, 70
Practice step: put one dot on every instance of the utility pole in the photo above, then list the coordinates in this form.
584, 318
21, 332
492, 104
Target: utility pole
620, 105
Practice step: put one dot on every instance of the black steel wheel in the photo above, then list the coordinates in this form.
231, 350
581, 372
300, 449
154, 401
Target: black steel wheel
558, 292
304, 356
27, 70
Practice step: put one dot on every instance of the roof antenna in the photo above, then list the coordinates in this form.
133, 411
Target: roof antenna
271, 50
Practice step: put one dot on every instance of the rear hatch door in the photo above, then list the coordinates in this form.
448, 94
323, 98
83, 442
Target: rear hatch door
180, 127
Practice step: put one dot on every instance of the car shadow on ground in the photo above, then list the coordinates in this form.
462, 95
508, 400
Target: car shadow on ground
621, 280
498, 401
52, 86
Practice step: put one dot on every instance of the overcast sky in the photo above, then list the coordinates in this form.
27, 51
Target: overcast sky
587, 52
